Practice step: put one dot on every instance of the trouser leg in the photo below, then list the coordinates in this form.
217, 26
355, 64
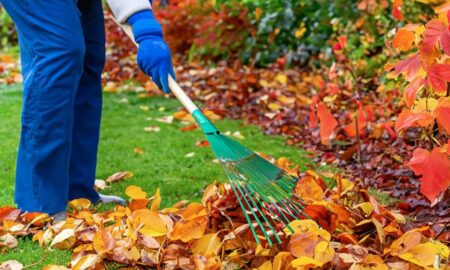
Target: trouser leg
88, 104
53, 52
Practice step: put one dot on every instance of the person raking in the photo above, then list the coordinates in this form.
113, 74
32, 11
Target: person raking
62, 48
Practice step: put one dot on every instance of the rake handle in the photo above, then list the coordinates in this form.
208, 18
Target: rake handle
173, 85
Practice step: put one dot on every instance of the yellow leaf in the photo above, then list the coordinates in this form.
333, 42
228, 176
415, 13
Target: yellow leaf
80, 204
274, 106
305, 261
302, 226
422, 254
281, 78
380, 231
281, 260
64, 239
301, 30
260, 251
367, 208
425, 105
135, 192
442, 249
323, 252
153, 225
156, 201
267, 265
208, 246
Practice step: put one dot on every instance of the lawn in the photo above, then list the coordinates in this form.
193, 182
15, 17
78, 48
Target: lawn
162, 164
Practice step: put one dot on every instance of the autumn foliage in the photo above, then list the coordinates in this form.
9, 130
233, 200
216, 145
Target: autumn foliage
425, 72
348, 229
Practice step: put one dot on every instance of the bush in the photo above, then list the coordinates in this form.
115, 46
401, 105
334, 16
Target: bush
7, 30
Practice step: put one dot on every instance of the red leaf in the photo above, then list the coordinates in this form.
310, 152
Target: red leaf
442, 113
408, 67
435, 31
408, 119
396, 10
312, 117
327, 123
411, 90
435, 170
438, 76
445, 42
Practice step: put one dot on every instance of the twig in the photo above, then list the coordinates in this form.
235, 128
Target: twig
358, 140
40, 261
443, 230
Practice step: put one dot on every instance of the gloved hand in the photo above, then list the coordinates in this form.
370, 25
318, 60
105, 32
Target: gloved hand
153, 56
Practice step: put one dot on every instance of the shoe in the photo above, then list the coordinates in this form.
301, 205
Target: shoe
111, 199
60, 216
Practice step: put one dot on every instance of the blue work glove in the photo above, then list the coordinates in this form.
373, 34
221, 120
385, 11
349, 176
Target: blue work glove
153, 55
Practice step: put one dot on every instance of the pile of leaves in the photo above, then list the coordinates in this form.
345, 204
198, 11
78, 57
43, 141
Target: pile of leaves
349, 229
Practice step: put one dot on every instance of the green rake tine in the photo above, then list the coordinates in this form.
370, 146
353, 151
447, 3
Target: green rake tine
286, 220
271, 202
263, 216
294, 205
259, 186
254, 214
249, 221
271, 183
234, 185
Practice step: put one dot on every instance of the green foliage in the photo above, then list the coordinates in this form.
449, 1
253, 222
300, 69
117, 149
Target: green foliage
8, 32
290, 31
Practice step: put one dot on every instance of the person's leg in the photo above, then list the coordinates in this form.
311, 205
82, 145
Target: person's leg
52, 45
88, 104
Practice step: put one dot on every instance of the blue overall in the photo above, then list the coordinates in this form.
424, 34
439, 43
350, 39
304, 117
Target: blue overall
62, 45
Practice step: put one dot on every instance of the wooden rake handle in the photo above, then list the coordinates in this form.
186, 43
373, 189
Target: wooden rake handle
173, 85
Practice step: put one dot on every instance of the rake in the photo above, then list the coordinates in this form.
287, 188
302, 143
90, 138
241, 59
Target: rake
264, 191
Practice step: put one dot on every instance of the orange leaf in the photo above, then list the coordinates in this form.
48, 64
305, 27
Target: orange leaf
189, 229
407, 119
411, 91
350, 129
442, 113
435, 170
8, 213
327, 123
403, 40
138, 204
308, 189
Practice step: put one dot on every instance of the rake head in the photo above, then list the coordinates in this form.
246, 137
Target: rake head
264, 191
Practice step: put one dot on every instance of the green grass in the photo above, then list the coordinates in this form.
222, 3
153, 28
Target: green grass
163, 163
